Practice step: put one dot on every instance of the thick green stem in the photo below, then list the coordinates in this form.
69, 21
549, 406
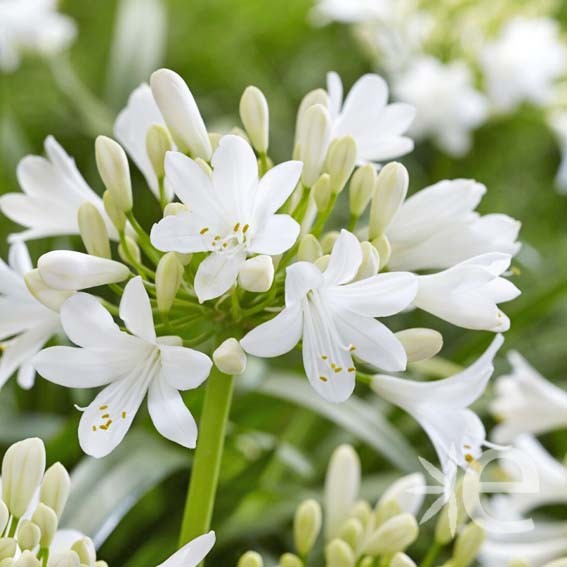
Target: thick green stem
431, 555
206, 464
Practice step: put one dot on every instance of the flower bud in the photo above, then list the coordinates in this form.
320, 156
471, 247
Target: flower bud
290, 560
323, 262
181, 114
129, 251
114, 171
396, 534
402, 560
27, 559
67, 559
115, 214
322, 192
55, 488
29, 535
370, 262
70, 271
309, 249
468, 544
22, 470
385, 510
351, 532
361, 189
382, 244
175, 209
255, 116
391, 189
339, 554
367, 561
4, 516
314, 136
257, 274
158, 143
93, 230
419, 343
230, 358
341, 161
100, 563
85, 549
51, 298
214, 139
307, 526
317, 96
328, 241
408, 491
168, 279
8, 547
362, 512
46, 519
204, 166
250, 559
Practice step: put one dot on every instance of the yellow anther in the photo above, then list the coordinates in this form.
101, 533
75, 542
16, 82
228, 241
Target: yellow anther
123, 415
105, 416
236, 227
245, 228
204, 230
351, 369
337, 369
351, 348
94, 427
324, 357
102, 408
323, 379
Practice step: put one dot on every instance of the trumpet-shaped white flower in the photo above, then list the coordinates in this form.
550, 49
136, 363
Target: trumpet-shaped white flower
32, 26
191, 554
447, 105
468, 294
376, 126
53, 190
526, 402
130, 364
524, 62
438, 227
231, 213
442, 408
26, 324
336, 320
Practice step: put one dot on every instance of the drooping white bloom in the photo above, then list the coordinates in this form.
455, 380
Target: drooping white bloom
448, 107
524, 62
32, 26
438, 227
336, 320
442, 408
131, 364
526, 402
231, 213
468, 293
53, 190
26, 324
193, 553
377, 127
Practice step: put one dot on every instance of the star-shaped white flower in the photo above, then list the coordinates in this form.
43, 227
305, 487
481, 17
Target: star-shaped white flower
191, 554
26, 324
336, 320
131, 364
231, 214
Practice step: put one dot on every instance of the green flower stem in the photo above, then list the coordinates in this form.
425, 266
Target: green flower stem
143, 239
206, 463
322, 218
431, 555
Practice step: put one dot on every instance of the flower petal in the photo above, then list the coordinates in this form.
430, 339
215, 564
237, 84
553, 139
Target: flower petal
193, 553
136, 310
184, 368
345, 260
182, 233
217, 273
277, 234
300, 278
335, 91
276, 186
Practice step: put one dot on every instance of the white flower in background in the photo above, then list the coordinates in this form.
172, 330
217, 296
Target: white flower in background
191, 554
231, 213
442, 408
448, 107
524, 62
32, 26
468, 294
526, 402
438, 227
335, 320
53, 190
26, 325
376, 126
352, 11
558, 122
132, 364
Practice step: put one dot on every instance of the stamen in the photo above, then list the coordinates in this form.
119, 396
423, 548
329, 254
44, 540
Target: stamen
245, 228
324, 357
105, 416
204, 230
351, 348
236, 227
123, 415
337, 369
94, 427
102, 408
323, 379
469, 458
351, 369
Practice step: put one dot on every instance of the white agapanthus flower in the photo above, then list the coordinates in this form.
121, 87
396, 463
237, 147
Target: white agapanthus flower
524, 62
130, 365
526, 402
26, 324
53, 190
448, 107
335, 319
377, 127
191, 554
32, 26
468, 294
438, 227
231, 213
442, 408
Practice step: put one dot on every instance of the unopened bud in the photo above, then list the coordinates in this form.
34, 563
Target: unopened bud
367, 561
402, 560
85, 549
168, 279
290, 560
362, 511
382, 244
55, 488
114, 171
394, 535
251, 559
22, 470
322, 192
323, 262
115, 214
408, 491
100, 563
158, 143
175, 209
314, 135
129, 251
361, 189
214, 139
257, 274
317, 96
307, 526
352, 532
4, 516
419, 343
309, 249
468, 544
204, 166
385, 510
229, 357
27, 559
66, 559
339, 554
93, 230
391, 189
51, 298
255, 116
328, 241
46, 519
29, 535
8, 547
341, 161
370, 262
